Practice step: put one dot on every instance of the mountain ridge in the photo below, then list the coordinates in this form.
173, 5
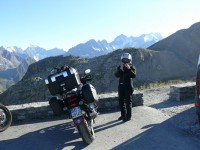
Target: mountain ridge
157, 63
90, 48
93, 48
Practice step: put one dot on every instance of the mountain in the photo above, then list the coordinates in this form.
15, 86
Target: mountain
90, 49
184, 44
54, 52
94, 48
151, 66
39, 53
9, 60
174, 57
35, 52
142, 41
14, 62
13, 66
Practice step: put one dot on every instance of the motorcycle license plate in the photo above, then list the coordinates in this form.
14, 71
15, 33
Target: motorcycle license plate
76, 112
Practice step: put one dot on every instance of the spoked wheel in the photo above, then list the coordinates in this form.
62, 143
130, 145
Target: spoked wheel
5, 118
86, 132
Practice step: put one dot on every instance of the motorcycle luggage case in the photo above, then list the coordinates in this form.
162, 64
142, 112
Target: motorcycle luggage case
57, 106
63, 81
89, 93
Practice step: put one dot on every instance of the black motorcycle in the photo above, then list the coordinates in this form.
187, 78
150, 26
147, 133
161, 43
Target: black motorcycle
5, 118
77, 98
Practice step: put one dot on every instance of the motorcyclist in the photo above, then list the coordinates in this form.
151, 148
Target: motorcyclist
125, 72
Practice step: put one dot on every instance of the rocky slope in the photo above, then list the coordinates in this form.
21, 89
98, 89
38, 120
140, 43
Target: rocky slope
12, 68
12, 57
152, 66
185, 44
172, 58
93, 48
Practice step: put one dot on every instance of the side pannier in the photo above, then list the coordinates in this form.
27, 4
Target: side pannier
89, 93
63, 81
57, 106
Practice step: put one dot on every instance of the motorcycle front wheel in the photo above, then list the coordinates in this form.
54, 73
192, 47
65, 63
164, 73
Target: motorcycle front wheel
5, 118
86, 132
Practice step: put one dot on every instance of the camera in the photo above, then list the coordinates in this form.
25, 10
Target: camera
125, 60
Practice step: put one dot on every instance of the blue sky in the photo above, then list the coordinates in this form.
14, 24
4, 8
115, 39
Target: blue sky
66, 23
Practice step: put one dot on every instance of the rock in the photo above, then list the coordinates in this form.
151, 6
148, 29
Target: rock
181, 92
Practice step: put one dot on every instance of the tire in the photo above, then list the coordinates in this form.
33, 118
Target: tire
5, 118
86, 132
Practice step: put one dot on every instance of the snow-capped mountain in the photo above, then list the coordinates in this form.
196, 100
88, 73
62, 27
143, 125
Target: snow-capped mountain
8, 59
13, 66
91, 48
14, 49
142, 41
14, 61
35, 52
94, 48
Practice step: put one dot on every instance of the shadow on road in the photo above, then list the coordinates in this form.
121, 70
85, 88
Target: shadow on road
172, 134
57, 137
34, 121
170, 103
107, 125
52, 138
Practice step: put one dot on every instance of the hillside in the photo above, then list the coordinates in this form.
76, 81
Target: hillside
184, 43
172, 58
12, 68
93, 48
13, 57
152, 66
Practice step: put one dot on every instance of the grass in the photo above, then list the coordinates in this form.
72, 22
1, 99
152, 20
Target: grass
160, 84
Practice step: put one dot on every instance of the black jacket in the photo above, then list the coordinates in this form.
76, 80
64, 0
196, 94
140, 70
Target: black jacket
126, 76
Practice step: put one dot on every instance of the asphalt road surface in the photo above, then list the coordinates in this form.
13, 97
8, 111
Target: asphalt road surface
149, 129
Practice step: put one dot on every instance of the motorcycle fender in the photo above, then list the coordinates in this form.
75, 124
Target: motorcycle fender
78, 121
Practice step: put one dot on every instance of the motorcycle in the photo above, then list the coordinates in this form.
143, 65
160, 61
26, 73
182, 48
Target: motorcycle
5, 118
80, 103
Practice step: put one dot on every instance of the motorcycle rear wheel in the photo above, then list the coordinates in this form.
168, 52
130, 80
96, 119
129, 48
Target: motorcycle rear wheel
5, 118
86, 132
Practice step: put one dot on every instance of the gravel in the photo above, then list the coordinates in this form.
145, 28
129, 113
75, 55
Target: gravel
182, 113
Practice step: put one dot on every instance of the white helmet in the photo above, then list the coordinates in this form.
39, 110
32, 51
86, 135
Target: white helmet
126, 58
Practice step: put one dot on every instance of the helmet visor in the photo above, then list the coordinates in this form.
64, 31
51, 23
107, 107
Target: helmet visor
125, 60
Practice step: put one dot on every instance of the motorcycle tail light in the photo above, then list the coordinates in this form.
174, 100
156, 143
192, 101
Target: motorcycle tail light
73, 105
71, 99
197, 104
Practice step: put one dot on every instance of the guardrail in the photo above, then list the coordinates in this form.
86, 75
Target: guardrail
107, 101
43, 110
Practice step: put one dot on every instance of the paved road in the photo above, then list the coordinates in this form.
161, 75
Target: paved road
148, 130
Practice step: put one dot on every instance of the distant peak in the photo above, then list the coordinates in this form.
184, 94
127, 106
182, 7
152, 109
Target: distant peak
120, 37
34, 46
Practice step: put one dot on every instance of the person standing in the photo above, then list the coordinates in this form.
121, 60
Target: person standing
126, 71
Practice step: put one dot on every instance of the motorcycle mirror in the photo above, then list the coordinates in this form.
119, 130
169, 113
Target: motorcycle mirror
87, 71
